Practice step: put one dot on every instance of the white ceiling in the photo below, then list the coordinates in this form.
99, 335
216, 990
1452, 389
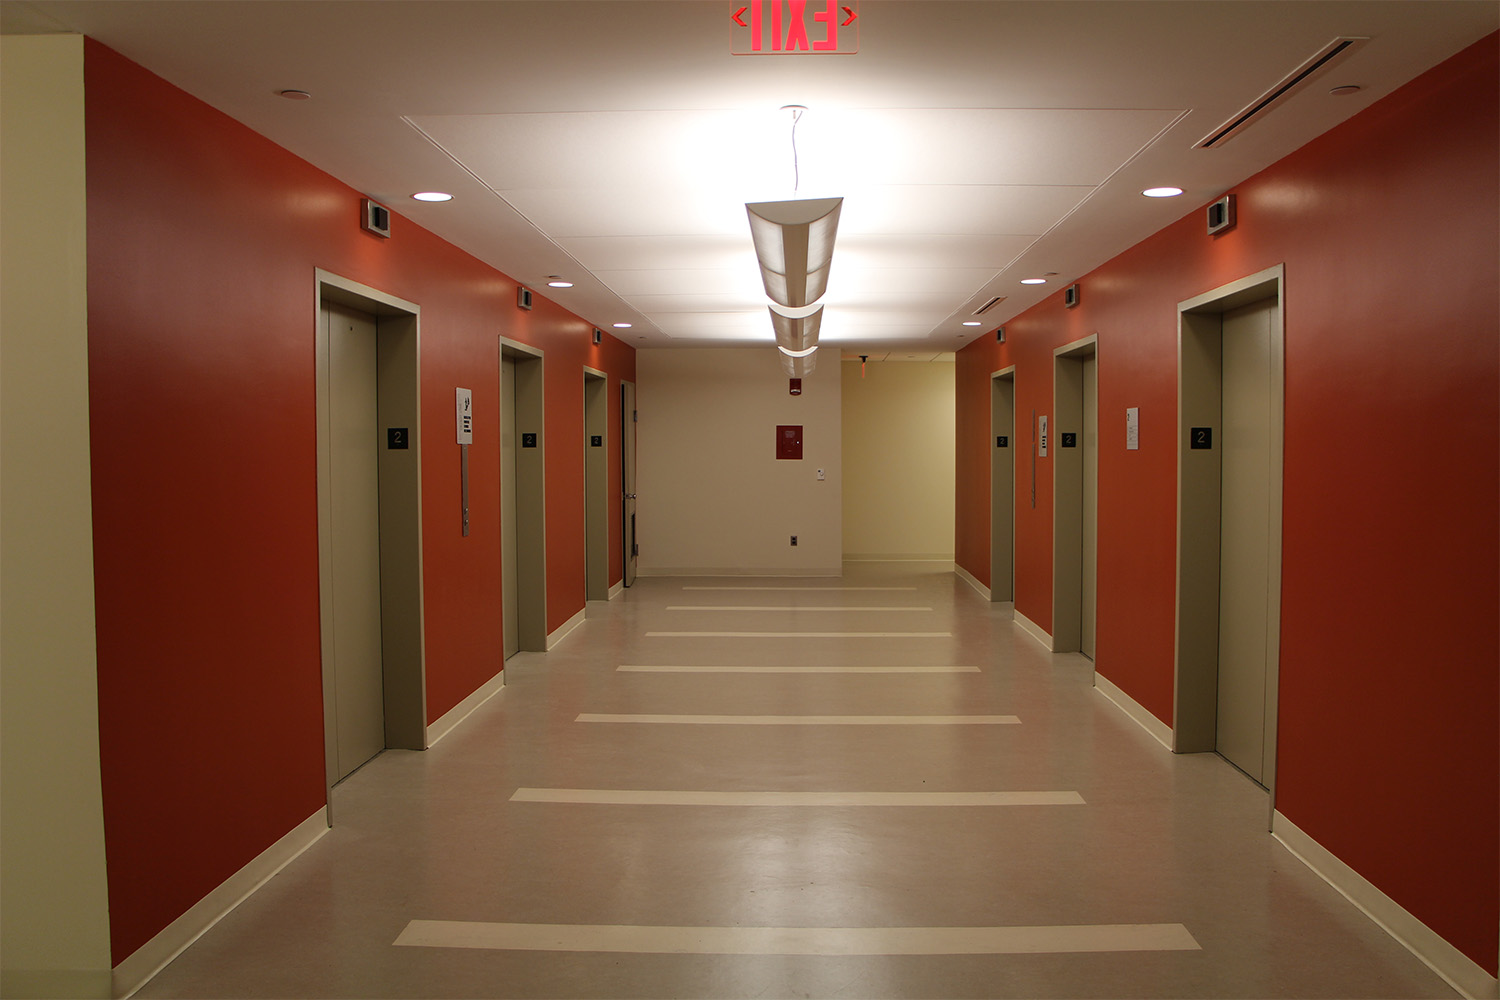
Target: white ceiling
616, 142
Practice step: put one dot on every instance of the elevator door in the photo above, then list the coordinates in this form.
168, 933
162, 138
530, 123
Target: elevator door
596, 486
509, 541
1244, 540
627, 477
358, 682
1088, 439
1003, 488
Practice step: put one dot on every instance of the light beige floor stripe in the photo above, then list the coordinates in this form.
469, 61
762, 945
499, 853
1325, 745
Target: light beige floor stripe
799, 588
807, 635
641, 669
782, 607
798, 940
671, 797
805, 720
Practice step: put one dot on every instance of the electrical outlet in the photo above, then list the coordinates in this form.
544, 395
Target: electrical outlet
794, 539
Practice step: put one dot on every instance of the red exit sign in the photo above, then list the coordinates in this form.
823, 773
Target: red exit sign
793, 27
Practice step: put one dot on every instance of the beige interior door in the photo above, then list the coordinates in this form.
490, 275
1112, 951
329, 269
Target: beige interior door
358, 682
627, 476
1088, 440
509, 542
1244, 542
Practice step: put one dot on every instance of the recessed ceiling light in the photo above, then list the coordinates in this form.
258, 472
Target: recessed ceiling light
433, 196
553, 281
1033, 281
1162, 192
621, 326
1345, 90
295, 95
972, 322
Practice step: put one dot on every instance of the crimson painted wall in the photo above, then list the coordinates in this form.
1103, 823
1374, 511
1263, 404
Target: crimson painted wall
1389, 229
203, 240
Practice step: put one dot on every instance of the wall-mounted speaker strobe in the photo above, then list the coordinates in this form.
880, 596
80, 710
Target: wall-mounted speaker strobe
794, 386
1221, 215
598, 336
1070, 296
523, 297
1000, 335
377, 219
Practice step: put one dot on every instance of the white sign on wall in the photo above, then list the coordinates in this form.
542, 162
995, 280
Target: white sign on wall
1041, 436
1133, 428
465, 405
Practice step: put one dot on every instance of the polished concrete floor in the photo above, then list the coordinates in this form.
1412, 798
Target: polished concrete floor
607, 827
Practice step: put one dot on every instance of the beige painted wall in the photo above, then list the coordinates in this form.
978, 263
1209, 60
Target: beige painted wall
899, 428
54, 908
713, 497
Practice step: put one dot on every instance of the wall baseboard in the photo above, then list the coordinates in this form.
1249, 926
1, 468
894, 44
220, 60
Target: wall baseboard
561, 632
1137, 712
65, 984
970, 579
900, 557
1457, 969
153, 956
458, 713
1032, 629
617, 589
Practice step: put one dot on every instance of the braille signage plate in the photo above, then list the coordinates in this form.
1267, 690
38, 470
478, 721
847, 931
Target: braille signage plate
1200, 438
528, 440
1002, 441
464, 399
396, 438
596, 440
1069, 439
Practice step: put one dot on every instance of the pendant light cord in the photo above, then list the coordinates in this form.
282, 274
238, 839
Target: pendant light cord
796, 169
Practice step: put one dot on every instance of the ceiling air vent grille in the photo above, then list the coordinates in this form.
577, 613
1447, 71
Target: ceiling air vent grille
992, 303
1334, 52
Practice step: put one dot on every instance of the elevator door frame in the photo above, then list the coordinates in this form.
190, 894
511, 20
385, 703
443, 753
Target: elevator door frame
398, 404
1068, 507
1003, 486
1199, 507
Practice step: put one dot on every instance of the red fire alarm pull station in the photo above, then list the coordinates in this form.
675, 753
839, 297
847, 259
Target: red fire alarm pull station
789, 441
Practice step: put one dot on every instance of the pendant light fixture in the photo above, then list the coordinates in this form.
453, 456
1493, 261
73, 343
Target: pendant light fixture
796, 329
794, 248
796, 367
